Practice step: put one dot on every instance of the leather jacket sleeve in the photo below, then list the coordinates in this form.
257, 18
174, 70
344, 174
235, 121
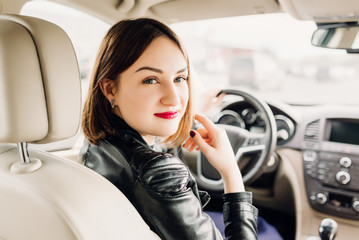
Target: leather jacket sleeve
238, 206
166, 195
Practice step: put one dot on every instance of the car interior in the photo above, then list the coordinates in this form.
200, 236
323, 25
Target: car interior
300, 161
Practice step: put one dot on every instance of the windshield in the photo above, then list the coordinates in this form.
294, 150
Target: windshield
270, 54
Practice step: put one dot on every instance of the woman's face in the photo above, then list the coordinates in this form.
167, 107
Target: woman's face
152, 94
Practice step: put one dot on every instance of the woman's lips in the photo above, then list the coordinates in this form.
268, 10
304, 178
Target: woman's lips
167, 115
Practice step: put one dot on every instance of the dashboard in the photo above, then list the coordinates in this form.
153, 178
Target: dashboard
327, 137
331, 165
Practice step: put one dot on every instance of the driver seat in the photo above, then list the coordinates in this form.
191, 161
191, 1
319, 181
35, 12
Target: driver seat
43, 196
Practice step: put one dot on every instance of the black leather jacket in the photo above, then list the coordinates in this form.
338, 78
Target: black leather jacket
163, 190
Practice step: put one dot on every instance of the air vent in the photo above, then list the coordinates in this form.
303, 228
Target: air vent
312, 132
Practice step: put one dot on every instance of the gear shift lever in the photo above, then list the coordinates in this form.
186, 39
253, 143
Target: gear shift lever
327, 229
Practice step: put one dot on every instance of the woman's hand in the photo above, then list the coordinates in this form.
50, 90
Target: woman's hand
214, 144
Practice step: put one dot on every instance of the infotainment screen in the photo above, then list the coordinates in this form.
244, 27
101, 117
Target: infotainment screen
343, 131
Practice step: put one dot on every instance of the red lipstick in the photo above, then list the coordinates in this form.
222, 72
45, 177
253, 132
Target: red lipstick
167, 115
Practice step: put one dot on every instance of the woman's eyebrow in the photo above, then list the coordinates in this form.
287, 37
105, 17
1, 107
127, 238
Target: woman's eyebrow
158, 70
150, 69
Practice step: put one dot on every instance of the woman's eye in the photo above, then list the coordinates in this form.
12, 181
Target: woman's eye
150, 81
180, 79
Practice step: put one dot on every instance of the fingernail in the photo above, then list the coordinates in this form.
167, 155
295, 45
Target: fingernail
192, 133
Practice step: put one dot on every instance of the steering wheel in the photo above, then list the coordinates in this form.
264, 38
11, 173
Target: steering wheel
243, 143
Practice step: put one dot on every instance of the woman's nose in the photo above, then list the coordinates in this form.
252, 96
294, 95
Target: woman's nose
171, 96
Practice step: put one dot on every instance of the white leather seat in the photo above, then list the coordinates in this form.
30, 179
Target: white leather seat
43, 196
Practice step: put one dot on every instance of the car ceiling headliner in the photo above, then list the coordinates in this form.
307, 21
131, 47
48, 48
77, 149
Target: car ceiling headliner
171, 11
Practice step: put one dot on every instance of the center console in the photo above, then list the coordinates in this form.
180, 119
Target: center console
331, 166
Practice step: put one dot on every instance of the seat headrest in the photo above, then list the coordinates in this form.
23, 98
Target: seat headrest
40, 92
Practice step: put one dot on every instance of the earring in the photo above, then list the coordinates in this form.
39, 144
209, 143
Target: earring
113, 103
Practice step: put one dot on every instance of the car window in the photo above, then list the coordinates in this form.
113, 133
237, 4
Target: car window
270, 54
86, 33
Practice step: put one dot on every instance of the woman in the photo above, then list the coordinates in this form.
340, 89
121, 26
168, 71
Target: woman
140, 91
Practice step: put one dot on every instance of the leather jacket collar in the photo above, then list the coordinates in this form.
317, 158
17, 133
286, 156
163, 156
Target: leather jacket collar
124, 131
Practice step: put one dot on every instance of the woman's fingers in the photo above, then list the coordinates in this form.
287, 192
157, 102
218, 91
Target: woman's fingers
201, 139
207, 124
199, 142
202, 132
190, 144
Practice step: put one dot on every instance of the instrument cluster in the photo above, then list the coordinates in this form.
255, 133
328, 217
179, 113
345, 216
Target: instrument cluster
245, 116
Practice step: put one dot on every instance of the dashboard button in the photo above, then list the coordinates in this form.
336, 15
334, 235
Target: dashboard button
309, 155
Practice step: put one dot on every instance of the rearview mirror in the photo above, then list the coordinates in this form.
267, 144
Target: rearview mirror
337, 36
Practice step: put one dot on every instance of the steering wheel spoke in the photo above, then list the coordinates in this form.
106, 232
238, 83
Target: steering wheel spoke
249, 150
244, 142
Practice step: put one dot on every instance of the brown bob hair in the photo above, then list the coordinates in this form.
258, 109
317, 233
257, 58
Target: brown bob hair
123, 44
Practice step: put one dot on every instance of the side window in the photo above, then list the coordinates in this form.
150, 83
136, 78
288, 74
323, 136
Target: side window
86, 33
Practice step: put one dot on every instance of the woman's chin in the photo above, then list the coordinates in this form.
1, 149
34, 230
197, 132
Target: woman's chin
166, 132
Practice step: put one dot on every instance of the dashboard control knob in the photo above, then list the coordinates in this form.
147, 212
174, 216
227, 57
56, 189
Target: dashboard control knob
321, 198
345, 162
355, 206
343, 177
